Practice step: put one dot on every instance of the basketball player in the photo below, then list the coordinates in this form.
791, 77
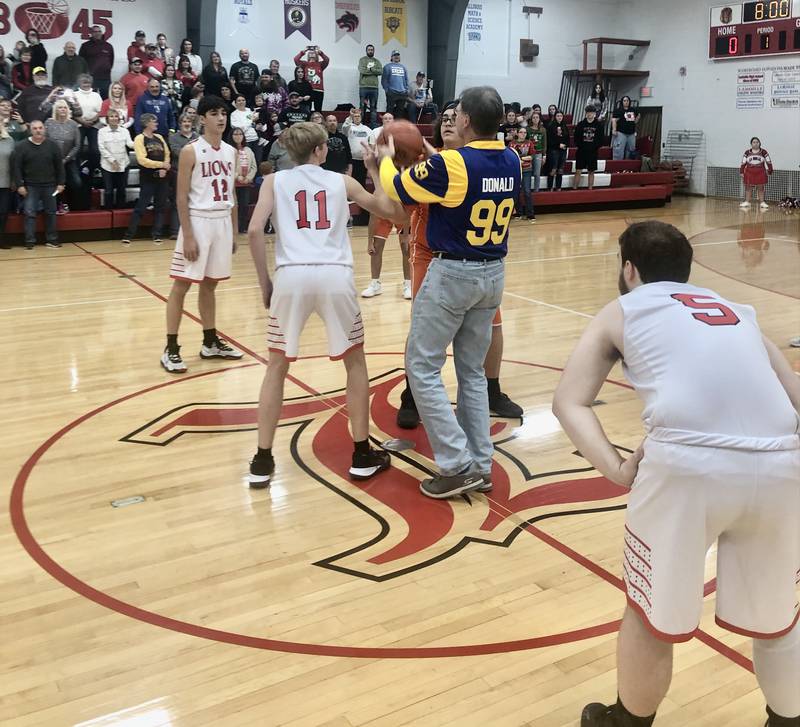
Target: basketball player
720, 462
471, 193
206, 203
314, 273
378, 232
445, 136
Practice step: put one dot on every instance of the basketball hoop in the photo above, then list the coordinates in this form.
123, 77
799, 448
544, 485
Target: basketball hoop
41, 19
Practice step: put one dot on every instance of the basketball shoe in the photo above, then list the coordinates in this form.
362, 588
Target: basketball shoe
444, 486
373, 289
369, 464
173, 362
261, 471
775, 720
219, 349
600, 715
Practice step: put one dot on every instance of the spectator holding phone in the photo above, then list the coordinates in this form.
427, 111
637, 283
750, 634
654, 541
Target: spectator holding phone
314, 66
11, 120
36, 101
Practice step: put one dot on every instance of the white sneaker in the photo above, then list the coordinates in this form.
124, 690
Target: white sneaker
407, 289
795, 342
219, 349
373, 289
764, 206
173, 362
744, 204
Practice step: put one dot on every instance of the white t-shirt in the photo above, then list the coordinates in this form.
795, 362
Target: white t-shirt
244, 121
90, 103
699, 363
310, 218
213, 177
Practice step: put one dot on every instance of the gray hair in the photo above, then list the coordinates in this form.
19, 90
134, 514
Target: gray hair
85, 77
484, 107
146, 119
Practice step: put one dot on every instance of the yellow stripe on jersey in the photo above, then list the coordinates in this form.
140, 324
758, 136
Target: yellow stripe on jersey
457, 176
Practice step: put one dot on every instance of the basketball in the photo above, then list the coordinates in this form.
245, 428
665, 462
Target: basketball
407, 141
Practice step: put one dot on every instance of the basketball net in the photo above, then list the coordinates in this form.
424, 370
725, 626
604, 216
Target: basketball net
41, 19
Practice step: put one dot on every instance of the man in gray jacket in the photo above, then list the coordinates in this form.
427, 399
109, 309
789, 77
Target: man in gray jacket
370, 70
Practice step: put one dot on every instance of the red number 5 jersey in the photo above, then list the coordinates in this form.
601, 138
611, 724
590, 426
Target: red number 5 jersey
699, 363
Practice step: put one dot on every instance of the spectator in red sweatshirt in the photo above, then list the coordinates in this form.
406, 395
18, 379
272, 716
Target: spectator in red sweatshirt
314, 65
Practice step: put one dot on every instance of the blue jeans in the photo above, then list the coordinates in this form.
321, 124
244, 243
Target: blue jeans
537, 171
369, 97
527, 197
623, 146
40, 194
456, 304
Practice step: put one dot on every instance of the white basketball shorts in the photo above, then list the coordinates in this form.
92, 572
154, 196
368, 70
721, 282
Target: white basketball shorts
686, 498
327, 290
214, 235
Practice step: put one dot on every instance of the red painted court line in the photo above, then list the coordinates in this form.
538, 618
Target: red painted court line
191, 316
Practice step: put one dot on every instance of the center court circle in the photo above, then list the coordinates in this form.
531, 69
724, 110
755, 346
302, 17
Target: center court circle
35, 550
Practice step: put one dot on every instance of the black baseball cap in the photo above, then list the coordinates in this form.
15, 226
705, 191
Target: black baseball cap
140, 34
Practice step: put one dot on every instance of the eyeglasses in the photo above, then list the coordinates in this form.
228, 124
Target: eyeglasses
449, 119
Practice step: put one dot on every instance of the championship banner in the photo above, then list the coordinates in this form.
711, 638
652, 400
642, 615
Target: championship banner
348, 19
395, 22
297, 16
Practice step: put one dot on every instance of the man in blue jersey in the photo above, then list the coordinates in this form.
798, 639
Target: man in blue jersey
471, 193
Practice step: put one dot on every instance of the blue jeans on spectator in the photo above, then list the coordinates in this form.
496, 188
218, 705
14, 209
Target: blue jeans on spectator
456, 304
368, 98
114, 185
527, 196
623, 146
536, 171
40, 194
151, 189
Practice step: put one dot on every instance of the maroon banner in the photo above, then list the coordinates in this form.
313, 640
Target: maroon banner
297, 16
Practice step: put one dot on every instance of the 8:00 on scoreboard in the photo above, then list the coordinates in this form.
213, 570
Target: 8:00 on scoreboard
762, 28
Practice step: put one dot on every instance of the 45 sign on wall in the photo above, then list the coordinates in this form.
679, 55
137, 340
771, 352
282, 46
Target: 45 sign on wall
51, 19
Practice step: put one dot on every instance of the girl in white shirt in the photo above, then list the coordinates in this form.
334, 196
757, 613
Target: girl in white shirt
243, 118
194, 59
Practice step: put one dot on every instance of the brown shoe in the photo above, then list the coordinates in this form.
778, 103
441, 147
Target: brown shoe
442, 487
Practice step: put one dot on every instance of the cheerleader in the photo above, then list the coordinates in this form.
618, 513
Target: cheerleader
756, 167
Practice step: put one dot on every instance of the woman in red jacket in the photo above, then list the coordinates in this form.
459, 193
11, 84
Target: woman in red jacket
314, 65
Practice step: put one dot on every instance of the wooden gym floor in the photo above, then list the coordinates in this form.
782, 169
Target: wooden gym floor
320, 602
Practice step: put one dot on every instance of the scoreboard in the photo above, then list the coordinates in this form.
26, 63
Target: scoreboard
763, 28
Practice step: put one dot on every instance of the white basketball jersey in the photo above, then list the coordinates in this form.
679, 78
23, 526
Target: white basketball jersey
310, 218
699, 363
213, 177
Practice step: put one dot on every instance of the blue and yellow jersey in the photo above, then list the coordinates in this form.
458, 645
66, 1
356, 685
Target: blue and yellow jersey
471, 193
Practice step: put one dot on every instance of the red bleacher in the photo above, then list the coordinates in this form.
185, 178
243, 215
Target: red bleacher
628, 185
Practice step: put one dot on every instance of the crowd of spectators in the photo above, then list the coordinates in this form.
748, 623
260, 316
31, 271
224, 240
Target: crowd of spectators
95, 120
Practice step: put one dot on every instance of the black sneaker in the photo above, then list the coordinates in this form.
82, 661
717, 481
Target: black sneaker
598, 715
407, 414
369, 464
219, 349
29, 246
442, 487
504, 407
173, 362
261, 471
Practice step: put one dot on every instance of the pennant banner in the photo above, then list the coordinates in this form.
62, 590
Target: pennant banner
297, 16
395, 22
348, 19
